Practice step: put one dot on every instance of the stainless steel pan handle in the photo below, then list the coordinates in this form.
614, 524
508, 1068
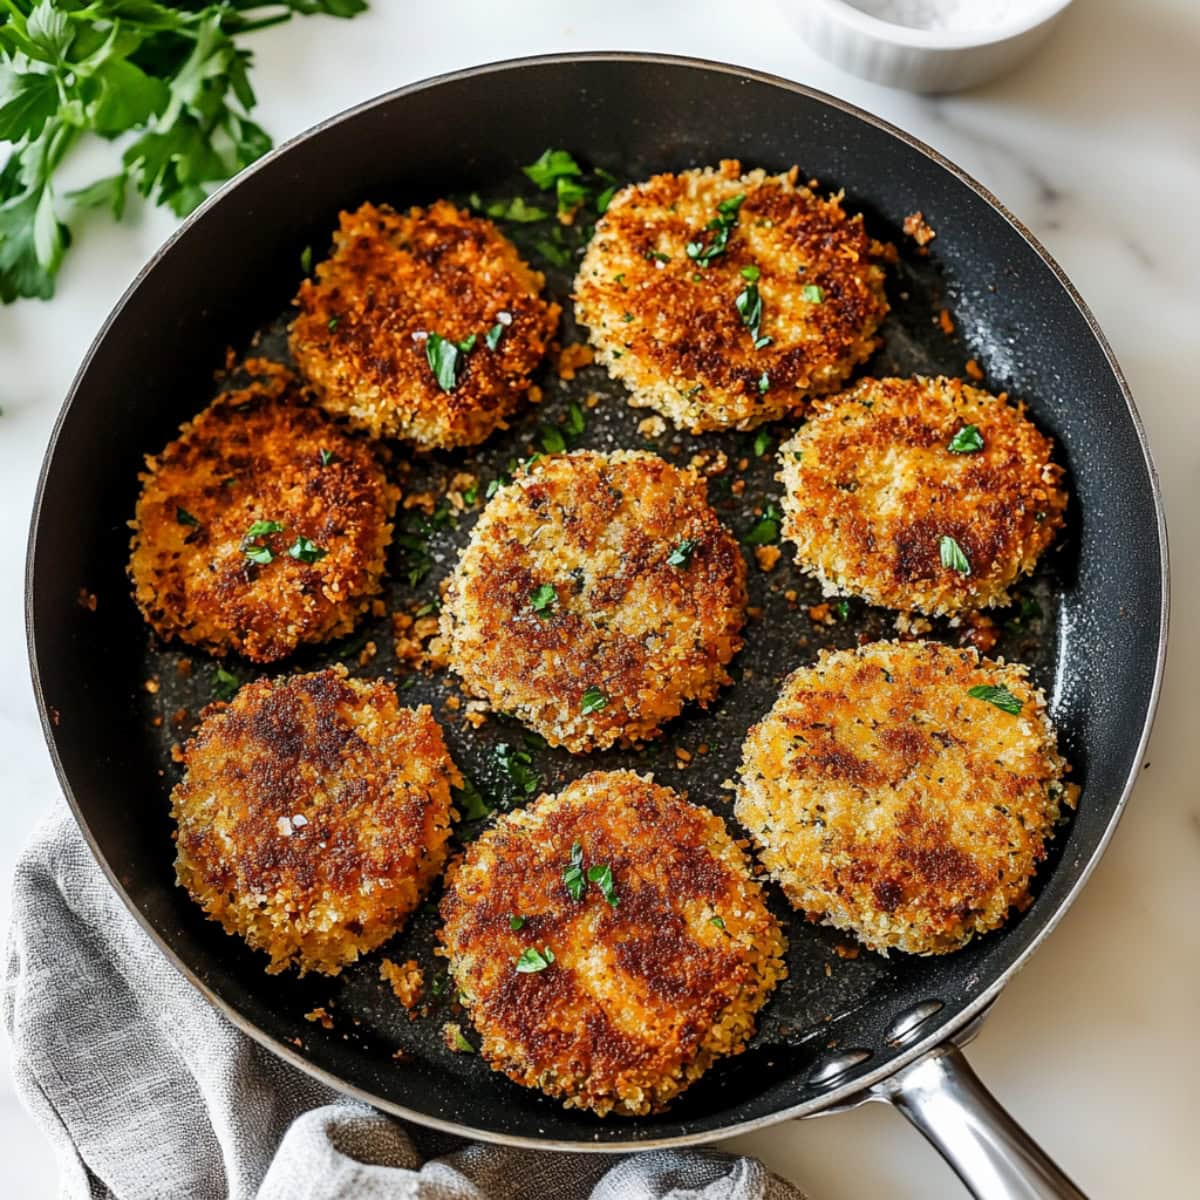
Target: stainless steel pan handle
991, 1153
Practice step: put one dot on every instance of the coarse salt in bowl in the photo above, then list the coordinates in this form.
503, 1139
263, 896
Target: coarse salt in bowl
925, 45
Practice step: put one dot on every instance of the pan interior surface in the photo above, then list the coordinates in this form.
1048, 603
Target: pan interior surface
227, 280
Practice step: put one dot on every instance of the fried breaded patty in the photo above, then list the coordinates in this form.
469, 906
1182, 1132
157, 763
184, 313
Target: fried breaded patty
904, 792
313, 816
598, 593
609, 943
920, 494
264, 525
717, 338
363, 335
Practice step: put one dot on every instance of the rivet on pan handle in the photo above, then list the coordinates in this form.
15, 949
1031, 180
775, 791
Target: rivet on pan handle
991, 1153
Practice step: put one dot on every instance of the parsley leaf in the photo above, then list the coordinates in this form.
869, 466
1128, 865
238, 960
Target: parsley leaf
262, 528
572, 875
1001, 697
551, 439
470, 801
968, 440
551, 166
765, 530
719, 922
814, 294
601, 876
445, 358
225, 684
518, 766
461, 1045
542, 599
515, 923
518, 210
682, 554
762, 443
305, 551
491, 339
183, 517
326, 457
953, 558
173, 76
533, 960
593, 700
721, 226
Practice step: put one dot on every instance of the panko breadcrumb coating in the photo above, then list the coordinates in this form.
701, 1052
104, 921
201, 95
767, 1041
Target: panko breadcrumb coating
609, 943
597, 595
313, 816
687, 331
260, 454
888, 800
885, 482
393, 280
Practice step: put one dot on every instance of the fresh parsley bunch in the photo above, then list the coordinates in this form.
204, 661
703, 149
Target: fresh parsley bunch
171, 75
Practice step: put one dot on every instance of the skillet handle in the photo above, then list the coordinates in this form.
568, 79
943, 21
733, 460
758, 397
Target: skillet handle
989, 1151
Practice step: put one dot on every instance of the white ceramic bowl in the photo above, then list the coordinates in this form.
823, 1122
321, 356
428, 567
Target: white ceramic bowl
921, 60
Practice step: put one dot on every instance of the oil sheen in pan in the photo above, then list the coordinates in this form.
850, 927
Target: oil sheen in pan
779, 637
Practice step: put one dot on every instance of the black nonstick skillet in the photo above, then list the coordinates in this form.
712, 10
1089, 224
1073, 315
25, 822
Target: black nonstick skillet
1092, 622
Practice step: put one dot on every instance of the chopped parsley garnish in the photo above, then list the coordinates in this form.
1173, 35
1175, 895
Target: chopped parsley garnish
764, 383
604, 198
576, 422
750, 308
183, 517
326, 457
518, 766
471, 802
569, 194
601, 876
542, 599
461, 1045
627, 317
721, 226
572, 875
471, 494
656, 256
717, 921
556, 255
225, 684
750, 273
305, 551
333, 322
762, 443
551, 439
445, 358
306, 260
492, 338
518, 209
766, 529
551, 166
1001, 697
953, 559
593, 700
813, 293
533, 960
842, 608
262, 528
515, 923
256, 553
968, 440
682, 554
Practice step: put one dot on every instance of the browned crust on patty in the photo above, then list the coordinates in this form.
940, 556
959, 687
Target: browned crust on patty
888, 801
394, 278
313, 816
671, 331
870, 490
640, 998
599, 529
255, 454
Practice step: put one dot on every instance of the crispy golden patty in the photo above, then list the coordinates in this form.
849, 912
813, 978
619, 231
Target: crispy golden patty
205, 573
395, 279
888, 800
679, 327
609, 943
313, 816
597, 595
920, 494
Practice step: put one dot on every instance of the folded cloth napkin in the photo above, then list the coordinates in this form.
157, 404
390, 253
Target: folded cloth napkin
148, 1092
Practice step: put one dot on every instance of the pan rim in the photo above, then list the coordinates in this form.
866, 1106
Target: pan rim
836, 1098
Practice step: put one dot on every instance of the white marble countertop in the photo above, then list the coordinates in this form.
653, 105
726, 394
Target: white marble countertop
1093, 145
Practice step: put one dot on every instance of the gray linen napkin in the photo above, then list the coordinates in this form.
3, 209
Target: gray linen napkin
148, 1093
